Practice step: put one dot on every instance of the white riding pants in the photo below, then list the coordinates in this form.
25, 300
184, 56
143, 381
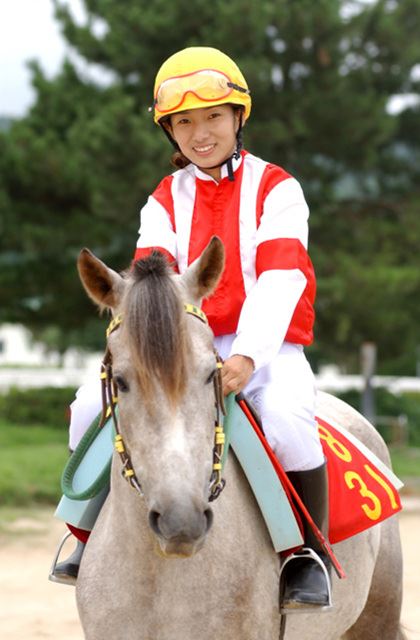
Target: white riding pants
283, 392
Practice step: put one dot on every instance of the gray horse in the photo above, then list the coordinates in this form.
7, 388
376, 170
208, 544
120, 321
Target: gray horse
170, 565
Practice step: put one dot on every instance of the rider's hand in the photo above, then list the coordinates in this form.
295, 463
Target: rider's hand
236, 373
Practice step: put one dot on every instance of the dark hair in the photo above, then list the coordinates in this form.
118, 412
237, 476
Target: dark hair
179, 161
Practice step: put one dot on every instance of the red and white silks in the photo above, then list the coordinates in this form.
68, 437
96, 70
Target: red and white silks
267, 289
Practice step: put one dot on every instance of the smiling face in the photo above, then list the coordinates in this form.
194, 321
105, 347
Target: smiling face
207, 136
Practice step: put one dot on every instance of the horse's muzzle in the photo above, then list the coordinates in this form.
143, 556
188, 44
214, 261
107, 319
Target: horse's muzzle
180, 531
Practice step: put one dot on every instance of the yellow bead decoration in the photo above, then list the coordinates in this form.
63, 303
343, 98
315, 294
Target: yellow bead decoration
119, 444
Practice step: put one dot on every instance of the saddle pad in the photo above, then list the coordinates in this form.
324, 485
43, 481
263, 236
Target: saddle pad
262, 476
362, 490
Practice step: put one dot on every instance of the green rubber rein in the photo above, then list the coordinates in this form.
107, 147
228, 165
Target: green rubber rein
74, 462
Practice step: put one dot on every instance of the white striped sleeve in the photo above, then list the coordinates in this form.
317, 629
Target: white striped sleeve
285, 214
156, 229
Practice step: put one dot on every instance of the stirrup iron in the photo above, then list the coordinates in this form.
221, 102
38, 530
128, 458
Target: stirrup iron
305, 552
51, 575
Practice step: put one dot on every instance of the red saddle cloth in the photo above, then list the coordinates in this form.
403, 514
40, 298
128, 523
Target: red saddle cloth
360, 494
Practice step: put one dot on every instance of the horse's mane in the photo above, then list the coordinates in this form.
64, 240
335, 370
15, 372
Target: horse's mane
154, 321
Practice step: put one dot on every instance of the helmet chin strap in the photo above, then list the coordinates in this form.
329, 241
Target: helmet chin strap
228, 162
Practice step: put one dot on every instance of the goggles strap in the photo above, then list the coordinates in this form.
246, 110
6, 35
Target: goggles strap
232, 85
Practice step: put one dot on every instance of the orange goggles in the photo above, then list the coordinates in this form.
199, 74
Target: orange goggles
208, 85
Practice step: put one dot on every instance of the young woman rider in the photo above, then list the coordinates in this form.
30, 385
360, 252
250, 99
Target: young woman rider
262, 311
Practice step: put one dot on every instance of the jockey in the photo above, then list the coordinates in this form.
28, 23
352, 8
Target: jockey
262, 311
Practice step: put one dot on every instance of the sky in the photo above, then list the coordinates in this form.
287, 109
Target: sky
28, 30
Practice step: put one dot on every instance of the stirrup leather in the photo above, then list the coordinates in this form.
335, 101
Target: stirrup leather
52, 576
305, 552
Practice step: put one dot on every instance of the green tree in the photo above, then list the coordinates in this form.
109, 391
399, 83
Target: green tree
77, 168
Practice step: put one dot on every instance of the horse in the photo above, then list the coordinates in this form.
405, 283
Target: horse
165, 563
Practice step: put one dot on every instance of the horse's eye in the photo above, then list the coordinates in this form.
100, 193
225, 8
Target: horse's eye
121, 384
211, 376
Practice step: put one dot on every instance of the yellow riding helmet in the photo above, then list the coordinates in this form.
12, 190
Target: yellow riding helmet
199, 77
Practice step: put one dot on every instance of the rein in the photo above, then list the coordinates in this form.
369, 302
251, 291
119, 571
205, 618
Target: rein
110, 401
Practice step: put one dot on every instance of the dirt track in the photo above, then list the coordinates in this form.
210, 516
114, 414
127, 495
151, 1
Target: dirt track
32, 608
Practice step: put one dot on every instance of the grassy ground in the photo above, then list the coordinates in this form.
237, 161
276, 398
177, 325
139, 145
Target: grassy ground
31, 462
406, 465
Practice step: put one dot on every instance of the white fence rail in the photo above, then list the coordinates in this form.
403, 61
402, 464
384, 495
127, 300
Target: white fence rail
395, 384
28, 377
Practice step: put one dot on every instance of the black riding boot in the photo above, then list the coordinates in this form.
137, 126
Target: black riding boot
66, 572
304, 580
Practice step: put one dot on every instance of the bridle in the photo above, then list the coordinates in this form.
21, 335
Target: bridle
109, 409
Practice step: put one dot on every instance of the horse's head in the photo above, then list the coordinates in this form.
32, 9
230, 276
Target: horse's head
163, 365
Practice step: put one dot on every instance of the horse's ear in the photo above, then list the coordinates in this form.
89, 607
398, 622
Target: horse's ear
202, 277
102, 284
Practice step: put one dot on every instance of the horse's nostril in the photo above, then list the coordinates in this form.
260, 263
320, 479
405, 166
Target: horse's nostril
209, 518
154, 521
173, 523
